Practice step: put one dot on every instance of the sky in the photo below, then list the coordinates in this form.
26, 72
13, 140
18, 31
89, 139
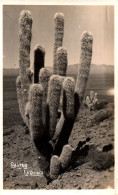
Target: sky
99, 20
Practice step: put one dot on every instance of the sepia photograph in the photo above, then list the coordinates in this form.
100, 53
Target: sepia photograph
58, 97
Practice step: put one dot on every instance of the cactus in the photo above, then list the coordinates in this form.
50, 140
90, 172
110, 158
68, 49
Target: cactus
65, 156
39, 94
55, 167
24, 55
59, 32
91, 101
61, 61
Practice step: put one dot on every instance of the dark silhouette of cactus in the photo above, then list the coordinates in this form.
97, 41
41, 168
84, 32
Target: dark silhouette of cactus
39, 95
39, 54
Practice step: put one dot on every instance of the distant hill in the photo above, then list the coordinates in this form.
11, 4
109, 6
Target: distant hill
95, 69
10, 72
72, 70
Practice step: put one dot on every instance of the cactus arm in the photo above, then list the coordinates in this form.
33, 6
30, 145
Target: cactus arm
68, 112
44, 77
68, 95
58, 39
53, 99
35, 100
85, 62
65, 156
55, 166
38, 132
24, 52
61, 61
58, 128
64, 135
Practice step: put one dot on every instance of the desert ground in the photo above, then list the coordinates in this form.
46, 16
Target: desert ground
93, 167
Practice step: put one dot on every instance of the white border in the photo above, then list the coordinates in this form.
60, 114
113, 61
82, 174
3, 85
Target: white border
62, 2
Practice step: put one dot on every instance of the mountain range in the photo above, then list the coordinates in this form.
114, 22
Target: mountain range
72, 70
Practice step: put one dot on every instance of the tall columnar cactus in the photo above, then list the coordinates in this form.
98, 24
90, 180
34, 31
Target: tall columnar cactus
58, 38
25, 35
39, 94
85, 61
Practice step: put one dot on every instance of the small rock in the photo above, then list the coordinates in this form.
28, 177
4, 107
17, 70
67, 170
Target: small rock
33, 185
6, 175
99, 148
79, 174
87, 180
59, 177
75, 185
71, 174
14, 174
111, 169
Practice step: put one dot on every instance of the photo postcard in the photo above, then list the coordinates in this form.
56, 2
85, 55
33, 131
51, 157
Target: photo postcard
58, 97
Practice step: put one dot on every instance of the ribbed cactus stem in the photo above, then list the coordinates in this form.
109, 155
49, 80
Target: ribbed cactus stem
35, 116
20, 97
54, 167
68, 97
54, 90
39, 55
85, 62
65, 156
58, 128
61, 61
25, 35
68, 112
44, 77
58, 39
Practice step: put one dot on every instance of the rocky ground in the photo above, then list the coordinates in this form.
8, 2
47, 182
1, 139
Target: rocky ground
94, 165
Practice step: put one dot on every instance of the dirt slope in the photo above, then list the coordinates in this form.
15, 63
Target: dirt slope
94, 165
